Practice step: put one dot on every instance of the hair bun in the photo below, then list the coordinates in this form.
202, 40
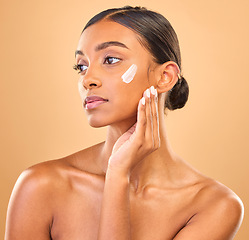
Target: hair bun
178, 96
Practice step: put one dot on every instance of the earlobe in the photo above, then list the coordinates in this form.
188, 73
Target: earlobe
168, 76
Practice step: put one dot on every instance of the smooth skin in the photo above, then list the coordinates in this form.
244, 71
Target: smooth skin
133, 185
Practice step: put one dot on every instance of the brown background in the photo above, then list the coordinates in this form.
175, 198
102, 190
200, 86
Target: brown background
41, 113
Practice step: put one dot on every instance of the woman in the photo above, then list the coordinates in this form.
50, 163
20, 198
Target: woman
133, 185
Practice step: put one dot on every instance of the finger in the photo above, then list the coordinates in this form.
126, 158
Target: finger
141, 120
155, 118
148, 113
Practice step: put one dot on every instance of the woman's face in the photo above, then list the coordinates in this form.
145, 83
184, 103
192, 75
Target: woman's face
106, 50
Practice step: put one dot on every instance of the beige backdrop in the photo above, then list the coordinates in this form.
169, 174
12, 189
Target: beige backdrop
41, 113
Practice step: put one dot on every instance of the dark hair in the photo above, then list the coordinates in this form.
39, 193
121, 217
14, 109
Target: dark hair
158, 36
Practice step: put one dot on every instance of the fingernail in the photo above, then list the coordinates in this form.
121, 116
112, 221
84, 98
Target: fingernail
152, 90
155, 93
143, 100
148, 93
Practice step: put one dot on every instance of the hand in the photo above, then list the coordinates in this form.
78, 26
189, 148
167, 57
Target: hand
141, 139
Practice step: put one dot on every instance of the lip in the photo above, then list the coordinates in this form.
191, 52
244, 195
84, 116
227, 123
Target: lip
92, 102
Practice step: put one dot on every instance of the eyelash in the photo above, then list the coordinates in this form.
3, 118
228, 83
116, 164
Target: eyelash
78, 67
108, 58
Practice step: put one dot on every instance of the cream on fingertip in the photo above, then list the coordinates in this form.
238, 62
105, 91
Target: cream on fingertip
147, 92
153, 90
156, 93
143, 100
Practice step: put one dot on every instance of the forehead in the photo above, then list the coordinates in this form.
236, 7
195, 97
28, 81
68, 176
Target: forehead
106, 31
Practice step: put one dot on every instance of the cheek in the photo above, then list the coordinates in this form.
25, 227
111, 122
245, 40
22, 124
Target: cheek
135, 80
81, 89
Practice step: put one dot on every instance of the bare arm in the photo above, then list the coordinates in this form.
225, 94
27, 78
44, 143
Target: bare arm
28, 216
115, 214
131, 148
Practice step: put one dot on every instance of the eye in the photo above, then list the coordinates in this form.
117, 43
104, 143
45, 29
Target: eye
111, 60
80, 68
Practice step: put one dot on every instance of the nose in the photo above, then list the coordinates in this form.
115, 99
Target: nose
90, 80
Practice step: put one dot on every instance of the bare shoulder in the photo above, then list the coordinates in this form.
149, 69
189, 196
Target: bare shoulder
218, 214
41, 176
31, 198
35, 187
55, 174
39, 191
214, 195
211, 194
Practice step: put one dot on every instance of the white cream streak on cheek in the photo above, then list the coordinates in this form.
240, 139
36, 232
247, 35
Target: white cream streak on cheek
130, 74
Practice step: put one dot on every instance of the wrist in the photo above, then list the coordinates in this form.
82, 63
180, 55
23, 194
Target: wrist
118, 171
118, 167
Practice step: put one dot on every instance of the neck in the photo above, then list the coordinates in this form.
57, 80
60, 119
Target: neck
114, 131
155, 167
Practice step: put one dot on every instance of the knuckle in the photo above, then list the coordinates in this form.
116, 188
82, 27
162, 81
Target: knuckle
143, 122
154, 114
150, 145
147, 147
156, 146
139, 142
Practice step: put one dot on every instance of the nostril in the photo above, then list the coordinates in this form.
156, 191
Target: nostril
90, 82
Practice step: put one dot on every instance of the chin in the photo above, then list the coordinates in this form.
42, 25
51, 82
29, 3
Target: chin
103, 122
97, 122
97, 125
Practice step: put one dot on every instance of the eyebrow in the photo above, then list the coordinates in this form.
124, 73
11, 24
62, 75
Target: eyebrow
109, 44
104, 45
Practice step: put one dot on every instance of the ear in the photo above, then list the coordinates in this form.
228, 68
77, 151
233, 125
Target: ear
168, 76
